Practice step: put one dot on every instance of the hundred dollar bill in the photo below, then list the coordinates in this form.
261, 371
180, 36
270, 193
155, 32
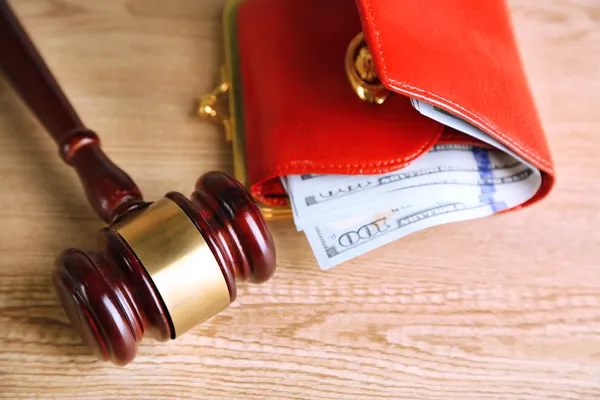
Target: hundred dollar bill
338, 241
438, 176
446, 157
370, 186
449, 119
448, 189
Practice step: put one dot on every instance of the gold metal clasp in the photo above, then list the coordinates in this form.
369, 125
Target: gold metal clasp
214, 105
362, 74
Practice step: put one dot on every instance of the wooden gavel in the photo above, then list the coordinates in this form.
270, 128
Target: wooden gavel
161, 267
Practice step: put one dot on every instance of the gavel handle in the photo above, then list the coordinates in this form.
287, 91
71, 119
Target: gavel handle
110, 191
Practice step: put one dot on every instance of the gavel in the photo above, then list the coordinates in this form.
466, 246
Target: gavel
160, 267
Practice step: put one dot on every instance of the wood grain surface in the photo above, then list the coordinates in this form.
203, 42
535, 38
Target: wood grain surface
501, 308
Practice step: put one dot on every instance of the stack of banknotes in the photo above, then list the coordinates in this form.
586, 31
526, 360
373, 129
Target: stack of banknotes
344, 216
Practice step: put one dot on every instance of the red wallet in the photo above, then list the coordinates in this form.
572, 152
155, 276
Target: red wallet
293, 111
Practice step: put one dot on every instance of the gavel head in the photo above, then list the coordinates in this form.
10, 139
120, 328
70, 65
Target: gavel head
165, 267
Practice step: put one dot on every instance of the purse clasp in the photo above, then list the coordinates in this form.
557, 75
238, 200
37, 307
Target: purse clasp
362, 74
213, 105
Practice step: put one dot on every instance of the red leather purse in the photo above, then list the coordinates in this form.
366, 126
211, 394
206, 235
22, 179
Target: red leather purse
294, 111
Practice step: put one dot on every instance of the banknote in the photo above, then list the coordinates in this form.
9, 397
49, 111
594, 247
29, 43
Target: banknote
399, 180
345, 216
452, 120
340, 240
447, 157
442, 174
455, 189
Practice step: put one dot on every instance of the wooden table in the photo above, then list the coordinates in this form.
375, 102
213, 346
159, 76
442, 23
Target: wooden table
500, 308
